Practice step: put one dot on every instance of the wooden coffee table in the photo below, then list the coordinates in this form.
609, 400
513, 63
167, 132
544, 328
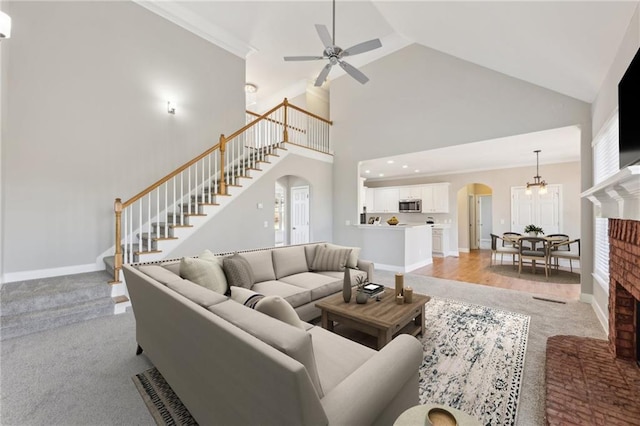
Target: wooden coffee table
382, 319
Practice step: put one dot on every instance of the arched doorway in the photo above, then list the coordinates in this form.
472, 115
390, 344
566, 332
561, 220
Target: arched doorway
475, 207
291, 211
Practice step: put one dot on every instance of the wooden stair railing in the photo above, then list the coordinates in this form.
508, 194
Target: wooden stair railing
152, 214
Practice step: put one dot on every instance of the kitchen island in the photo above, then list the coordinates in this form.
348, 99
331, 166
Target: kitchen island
399, 248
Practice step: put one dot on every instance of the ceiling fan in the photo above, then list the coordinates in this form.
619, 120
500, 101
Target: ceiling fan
335, 54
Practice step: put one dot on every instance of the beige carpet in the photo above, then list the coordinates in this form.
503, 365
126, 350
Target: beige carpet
555, 276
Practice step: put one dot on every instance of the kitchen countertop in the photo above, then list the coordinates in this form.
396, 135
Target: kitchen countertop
387, 226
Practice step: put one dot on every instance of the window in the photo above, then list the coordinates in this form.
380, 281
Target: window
605, 164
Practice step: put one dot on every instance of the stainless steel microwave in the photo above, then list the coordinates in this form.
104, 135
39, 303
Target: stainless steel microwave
410, 206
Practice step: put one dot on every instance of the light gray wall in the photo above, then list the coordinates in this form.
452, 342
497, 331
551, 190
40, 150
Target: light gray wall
500, 181
85, 121
602, 108
419, 99
241, 224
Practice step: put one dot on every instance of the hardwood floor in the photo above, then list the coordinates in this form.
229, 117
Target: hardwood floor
472, 268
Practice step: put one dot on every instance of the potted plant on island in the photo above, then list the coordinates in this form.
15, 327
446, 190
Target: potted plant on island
533, 230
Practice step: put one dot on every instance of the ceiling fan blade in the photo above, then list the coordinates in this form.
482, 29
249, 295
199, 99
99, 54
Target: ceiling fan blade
323, 32
303, 58
362, 47
354, 72
323, 75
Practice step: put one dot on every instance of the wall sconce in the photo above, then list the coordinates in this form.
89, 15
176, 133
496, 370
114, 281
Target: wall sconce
171, 107
5, 25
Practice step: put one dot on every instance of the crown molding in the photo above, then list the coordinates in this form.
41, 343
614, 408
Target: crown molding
173, 12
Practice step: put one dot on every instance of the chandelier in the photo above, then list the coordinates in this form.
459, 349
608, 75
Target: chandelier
537, 179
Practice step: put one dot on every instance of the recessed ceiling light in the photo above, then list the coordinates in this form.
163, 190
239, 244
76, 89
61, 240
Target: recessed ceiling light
416, 170
405, 166
367, 171
250, 88
390, 161
381, 174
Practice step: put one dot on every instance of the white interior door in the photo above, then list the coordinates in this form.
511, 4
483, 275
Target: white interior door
540, 210
299, 215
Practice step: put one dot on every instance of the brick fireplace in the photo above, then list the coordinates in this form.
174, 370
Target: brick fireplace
624, 288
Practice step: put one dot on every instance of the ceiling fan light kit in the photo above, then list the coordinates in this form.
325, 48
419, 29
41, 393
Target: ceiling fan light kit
335, 54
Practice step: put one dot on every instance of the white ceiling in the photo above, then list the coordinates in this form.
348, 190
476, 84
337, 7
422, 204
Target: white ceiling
565, 46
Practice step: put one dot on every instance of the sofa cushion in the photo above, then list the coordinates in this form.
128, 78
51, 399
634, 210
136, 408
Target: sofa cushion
355, 275
289, 261
328, 259
296, 296
337, 357
278, 308
238, 271
203, 272
196, 293
173, 266
261, 265
294, 342
352, 261
319, 285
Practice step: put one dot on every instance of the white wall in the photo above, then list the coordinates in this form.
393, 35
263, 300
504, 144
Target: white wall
419, 99
241, 225
84, 120
603, 107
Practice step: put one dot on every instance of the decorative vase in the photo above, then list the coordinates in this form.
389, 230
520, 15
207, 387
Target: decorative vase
346, 285
533, 234
362, 297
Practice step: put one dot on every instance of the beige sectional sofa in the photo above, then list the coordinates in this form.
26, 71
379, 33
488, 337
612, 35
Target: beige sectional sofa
233, 365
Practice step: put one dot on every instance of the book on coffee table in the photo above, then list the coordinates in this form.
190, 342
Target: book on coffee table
373, 289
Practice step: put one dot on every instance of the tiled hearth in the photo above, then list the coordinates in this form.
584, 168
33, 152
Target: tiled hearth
595, 382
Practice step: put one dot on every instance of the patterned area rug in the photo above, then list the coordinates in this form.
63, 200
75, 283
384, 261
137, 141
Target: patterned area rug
474, 358
163, 404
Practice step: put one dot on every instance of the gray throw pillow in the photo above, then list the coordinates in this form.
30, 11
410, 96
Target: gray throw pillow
330, 259
352, 260
238, 271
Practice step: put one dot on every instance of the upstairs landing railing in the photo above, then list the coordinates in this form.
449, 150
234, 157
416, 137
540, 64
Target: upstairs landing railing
152, 214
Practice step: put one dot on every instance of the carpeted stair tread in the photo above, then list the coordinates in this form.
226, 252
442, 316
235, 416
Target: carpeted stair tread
32, 322
33, 295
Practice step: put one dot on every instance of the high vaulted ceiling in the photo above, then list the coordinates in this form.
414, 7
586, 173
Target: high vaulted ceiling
566, 46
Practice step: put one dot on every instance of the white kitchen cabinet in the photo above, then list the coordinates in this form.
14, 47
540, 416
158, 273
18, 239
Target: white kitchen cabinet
369, 199
410, 192
386, 200
435, 198
440, 238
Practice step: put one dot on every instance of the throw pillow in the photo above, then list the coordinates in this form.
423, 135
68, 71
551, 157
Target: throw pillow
328, 259
352, 261
238, 271
202, 272
216, 260
248, 298
278, 308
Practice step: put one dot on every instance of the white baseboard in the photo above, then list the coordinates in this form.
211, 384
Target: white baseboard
403, 269
602, 316
53, 272
463, 250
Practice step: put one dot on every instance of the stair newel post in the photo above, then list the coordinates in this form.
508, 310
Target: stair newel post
285, 132
117, 259
223, 184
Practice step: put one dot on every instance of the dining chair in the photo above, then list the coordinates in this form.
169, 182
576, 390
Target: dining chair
554, 245
566, 250
528, 250
502, 249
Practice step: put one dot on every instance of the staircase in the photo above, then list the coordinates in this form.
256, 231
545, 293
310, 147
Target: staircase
154, 222
31, 306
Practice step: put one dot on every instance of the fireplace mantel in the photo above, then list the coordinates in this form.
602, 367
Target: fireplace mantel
618, 196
